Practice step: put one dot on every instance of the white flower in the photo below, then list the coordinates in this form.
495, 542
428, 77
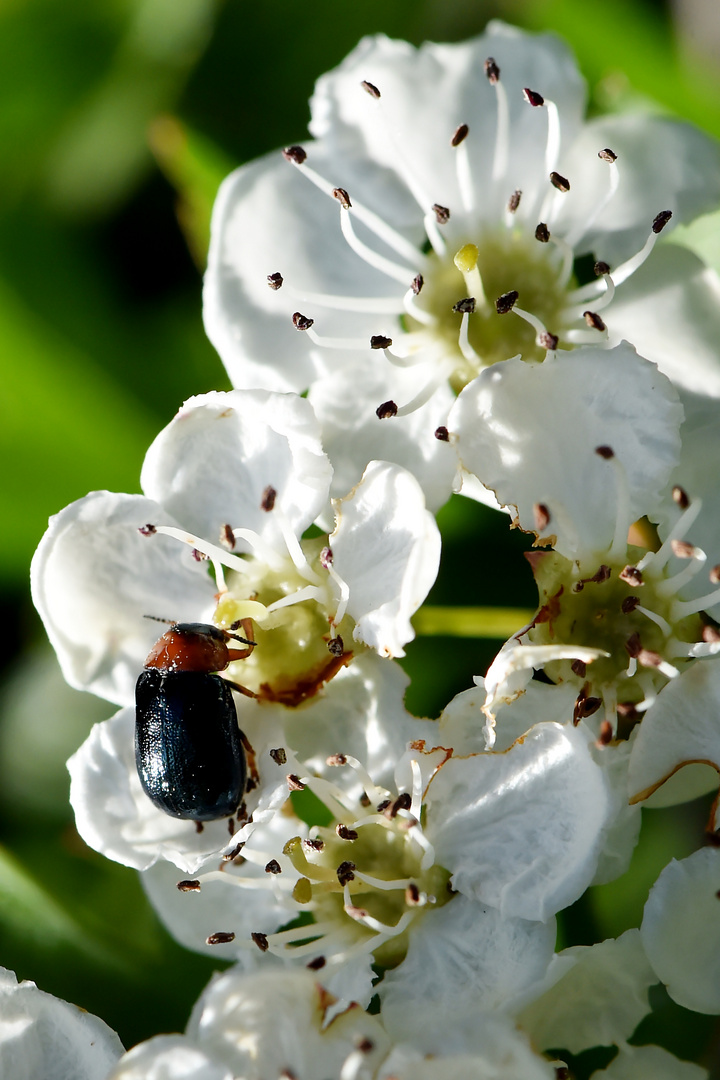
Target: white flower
466, 185
452, 872
43, 1036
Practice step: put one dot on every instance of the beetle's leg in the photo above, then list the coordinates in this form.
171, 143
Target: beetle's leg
249, 639
251, 759
241, 689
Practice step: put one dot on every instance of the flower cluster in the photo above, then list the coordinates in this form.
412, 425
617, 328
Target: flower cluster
456, 284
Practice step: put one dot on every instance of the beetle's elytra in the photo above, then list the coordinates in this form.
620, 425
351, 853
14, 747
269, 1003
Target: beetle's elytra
188, 747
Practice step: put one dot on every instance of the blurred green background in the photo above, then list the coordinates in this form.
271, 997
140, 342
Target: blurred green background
118, 119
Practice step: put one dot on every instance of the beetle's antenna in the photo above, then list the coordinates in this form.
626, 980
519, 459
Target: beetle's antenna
156, 618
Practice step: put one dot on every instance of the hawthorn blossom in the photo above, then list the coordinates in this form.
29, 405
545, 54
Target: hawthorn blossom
459, 861
43, 1036
432, 228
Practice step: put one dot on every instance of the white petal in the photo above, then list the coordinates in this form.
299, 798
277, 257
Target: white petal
681, 726
649, 1063
428, 92
670, 310
598, 1001
662, 165
359, 713
463, 956
501, 1053
624, 829
94, 577
43, 1036
522, 830
271, 1025
212, 464
681, 930
530, 433
386, 547
114, 815
169, 1057
345, 403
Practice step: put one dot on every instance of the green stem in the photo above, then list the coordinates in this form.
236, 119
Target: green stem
478, 622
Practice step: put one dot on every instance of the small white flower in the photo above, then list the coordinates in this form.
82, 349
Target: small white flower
466, 185
43, 1036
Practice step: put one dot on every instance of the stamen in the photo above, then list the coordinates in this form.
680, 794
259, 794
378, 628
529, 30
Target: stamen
464, 342
430, 222
462, 168
656, 560
671, 585
574, 237
374, 793
683, 608
309, 592
657, 619
623, 519
466, 260
502, 132
623, 272
213, 552
416, 804
590, 293
380, 228
542, 336
411, 306
366, 305
269, 881
331, 795
381, 883
373, 258
354, 344
425, 394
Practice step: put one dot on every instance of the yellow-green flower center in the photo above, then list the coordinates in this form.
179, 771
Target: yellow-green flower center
294, 654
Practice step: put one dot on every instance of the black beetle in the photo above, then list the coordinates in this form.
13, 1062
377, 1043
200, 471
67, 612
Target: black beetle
188, 746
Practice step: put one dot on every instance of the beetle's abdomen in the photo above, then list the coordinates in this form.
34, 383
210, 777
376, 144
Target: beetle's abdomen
188, 750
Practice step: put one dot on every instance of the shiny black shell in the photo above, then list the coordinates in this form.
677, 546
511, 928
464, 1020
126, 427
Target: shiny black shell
188, 748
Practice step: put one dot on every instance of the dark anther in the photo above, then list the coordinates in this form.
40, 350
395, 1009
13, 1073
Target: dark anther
514, 201
579, 667
261, 941
147, 530
234, 855
314, 845
267, 501
649, 658
715, 575
403, 802
294, 782
346, 834
680, 496
603, 573
279, 756
542, 233
559, 182
386, 410
189, 885
562, 1072
364, 800
345, 872
301, 322
199, 556
710, 635
594, 321
632, 576
342, 197
199, 826
296, 154
273, 867
607, 155
326, 557
506, 302
335, 761
336, 646
542, 516
532, 97
222, 937
370, 89
417, 283
632, 645
605, 452
317, 964
382, 806
682, 549
546, 340
459, 135
466, 306
227, 538
442, 434
275, 281
364, 1045
492, 71
231, 826
661, 221
442, 214
601, 268
379, 341
605, 735
627, 711
586, 706
629, 604
412, 894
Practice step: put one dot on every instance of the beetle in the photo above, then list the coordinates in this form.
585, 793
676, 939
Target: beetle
188, 746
